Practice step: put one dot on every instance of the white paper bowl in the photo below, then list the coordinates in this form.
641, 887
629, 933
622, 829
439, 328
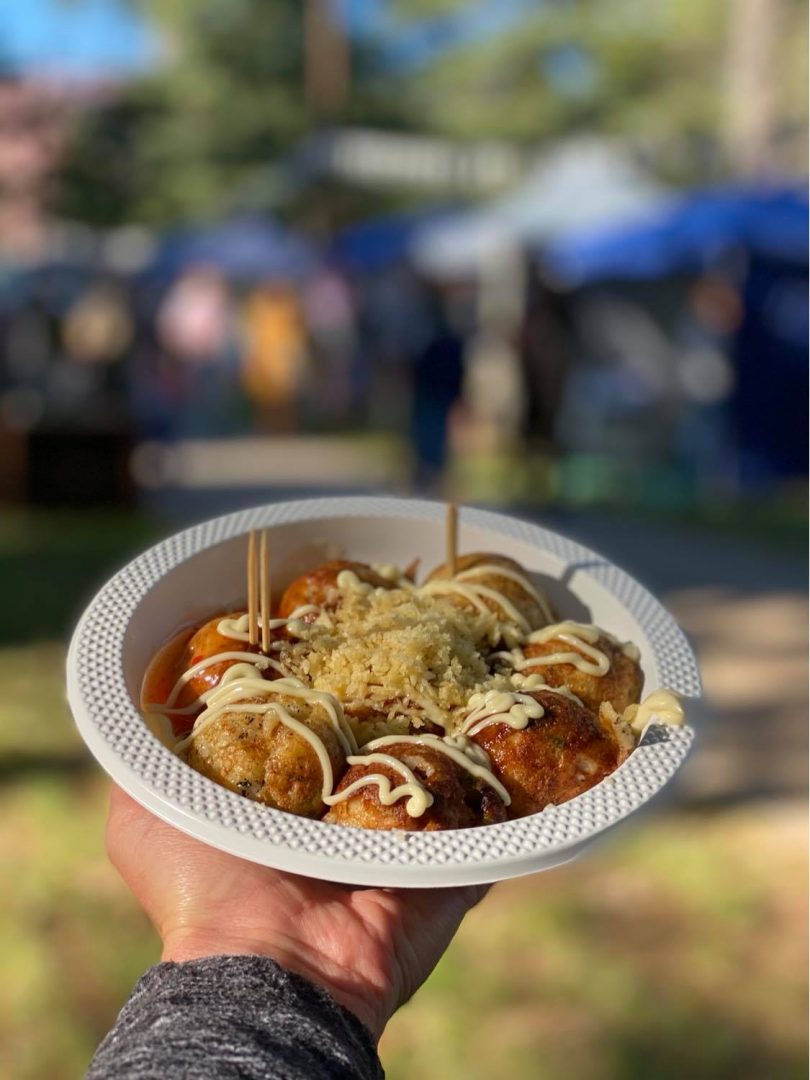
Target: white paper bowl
201, 570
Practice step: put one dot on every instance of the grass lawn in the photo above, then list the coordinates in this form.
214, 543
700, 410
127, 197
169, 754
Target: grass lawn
677, 950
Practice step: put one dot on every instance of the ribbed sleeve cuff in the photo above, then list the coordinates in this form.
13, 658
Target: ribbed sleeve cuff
233, 1016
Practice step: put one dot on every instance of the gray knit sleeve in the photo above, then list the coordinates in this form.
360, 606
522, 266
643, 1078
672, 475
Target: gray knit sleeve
225, 1017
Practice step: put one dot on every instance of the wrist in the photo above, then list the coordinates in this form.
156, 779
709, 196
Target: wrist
183, 945
368, 1006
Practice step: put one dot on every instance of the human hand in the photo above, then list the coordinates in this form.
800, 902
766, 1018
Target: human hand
370, 948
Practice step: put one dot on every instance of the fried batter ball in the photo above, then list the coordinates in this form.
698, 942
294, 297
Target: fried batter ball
319, 587
557, 756
537, 614
205, 642
460, 800
257, 755
621, 685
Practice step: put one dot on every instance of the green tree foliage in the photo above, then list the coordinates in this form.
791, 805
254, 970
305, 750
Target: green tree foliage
571, 63
226, 95
205, 128
658, 70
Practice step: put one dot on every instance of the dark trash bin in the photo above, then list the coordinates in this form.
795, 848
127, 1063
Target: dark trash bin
79, 468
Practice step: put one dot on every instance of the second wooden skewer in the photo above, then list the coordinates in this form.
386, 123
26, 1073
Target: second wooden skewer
451, 537
258, 590
264, 590
252, 590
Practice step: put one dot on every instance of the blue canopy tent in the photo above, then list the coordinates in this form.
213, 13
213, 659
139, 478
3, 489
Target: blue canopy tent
694, 234
687, 234
384, 241
245, 248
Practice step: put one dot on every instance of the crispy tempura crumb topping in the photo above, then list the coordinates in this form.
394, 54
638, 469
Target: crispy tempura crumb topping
395, 657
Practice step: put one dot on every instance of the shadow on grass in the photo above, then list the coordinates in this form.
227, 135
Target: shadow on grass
18, 767
713, 1046
52, 563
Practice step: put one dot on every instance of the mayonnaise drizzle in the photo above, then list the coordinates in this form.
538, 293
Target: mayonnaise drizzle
231, 698
348, 581
661, 705
419, 798
536, 682
255, 662
476, 595
234, 672
392, 573
500, 707
582, 655
236, 629
513, 575
239, 628
461, 750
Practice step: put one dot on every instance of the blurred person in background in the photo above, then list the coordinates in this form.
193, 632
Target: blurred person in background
704, 441
329, 314
771, 387
546, 354
33, 344
494, 391
196, 326
622, 396
275, 359
98, 326
153, 375
437, 379
65, 389
398, 319
96, 333
27, 352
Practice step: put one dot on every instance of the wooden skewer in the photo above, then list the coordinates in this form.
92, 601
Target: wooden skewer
252, 590
452, 538
264, 590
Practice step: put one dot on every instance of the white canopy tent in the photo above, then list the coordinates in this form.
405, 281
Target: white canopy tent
582, 184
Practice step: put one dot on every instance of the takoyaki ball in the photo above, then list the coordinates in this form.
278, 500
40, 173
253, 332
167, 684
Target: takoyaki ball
319, 587
557, 756
536, 613
460, 800
257, 755
205, 642
621, 685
